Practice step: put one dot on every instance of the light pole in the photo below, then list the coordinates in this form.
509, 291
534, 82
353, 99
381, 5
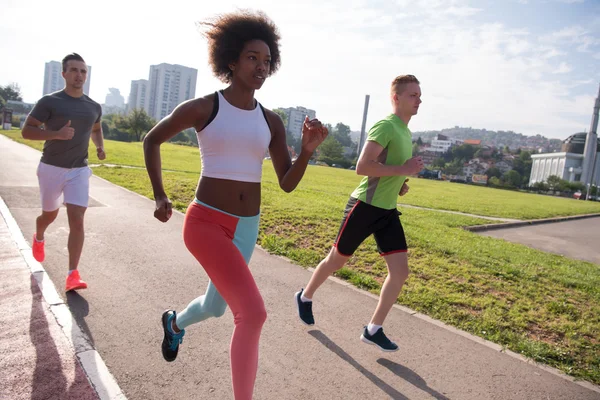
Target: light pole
361, 140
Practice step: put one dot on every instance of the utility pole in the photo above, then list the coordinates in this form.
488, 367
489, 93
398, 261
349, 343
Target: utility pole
591, 150
361, 141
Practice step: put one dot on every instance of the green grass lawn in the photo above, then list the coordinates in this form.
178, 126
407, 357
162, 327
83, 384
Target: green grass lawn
424, 193
175, 157
544, 306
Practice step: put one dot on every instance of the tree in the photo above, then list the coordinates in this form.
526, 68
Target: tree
493, 172
342, 134
454, 168
494, 181
2, 102
439, 163
564, 186
137, 123
105, 128
420, 141
512, 178
496, 155
292, 141
187, 137
463, 152
576, 186
11, 91
525, 157
553, 181
415, 149
283, 116
331, 148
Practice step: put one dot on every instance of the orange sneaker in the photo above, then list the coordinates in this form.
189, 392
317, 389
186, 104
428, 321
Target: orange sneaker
74, 282
37, 248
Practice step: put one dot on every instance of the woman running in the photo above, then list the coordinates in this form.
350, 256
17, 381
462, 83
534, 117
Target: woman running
221, 224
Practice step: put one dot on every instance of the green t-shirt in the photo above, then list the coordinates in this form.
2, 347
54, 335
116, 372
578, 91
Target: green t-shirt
396, 139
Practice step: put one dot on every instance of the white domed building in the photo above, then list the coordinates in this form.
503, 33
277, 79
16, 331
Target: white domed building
567, 165
578, 161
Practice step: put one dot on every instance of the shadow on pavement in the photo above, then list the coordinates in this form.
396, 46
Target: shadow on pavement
410, 376
49, 380
80, 309
390, 391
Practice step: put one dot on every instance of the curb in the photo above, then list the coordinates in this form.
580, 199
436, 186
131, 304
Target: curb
101, 380
489, 227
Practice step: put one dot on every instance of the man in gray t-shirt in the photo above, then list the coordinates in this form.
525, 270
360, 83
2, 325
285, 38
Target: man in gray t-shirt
58, 109
65, 120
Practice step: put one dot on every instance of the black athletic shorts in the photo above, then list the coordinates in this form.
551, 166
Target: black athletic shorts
361, 220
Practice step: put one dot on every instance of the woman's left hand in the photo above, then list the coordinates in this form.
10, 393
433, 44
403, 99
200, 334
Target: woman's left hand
313, 134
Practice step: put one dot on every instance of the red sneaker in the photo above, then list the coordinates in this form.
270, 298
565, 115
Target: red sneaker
74, 282
37, 248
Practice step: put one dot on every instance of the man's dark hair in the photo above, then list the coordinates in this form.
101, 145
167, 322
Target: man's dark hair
228, 33
69, 57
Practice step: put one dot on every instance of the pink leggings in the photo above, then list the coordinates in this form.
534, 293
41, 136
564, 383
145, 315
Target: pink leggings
209, 235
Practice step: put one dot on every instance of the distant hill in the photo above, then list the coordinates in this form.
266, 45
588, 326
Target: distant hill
495, 138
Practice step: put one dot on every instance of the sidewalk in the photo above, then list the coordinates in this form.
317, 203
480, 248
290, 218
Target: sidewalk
42, 349
137, 267
36, 359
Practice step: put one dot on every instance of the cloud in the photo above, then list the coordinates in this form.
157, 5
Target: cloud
517, 46
563, 68
581, 82
462, 11
550, 52
582, 38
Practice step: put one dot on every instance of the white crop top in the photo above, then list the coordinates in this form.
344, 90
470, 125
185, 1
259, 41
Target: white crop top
233, 145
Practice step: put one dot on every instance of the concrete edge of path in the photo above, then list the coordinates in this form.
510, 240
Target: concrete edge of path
466, 335
489, 227
101, 380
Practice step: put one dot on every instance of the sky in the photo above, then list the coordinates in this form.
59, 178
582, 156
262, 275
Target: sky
530, 66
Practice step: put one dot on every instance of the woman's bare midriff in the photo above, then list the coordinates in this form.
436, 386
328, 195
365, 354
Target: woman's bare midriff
235, 197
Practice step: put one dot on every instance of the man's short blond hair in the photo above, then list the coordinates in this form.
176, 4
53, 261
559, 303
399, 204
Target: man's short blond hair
400, 82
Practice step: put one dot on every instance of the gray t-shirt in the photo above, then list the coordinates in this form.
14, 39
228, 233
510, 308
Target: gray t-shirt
54, 111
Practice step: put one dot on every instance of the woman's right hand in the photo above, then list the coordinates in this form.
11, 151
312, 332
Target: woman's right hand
164, 208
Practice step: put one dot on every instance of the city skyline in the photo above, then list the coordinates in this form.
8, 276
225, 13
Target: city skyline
169, 86
528, 66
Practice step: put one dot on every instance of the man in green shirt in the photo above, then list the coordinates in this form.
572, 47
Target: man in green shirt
385, 162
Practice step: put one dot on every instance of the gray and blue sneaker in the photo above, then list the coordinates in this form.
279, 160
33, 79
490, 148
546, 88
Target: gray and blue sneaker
304, 309
379, 339
172, 340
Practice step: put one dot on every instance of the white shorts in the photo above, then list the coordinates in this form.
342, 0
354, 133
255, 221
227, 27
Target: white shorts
71, 183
